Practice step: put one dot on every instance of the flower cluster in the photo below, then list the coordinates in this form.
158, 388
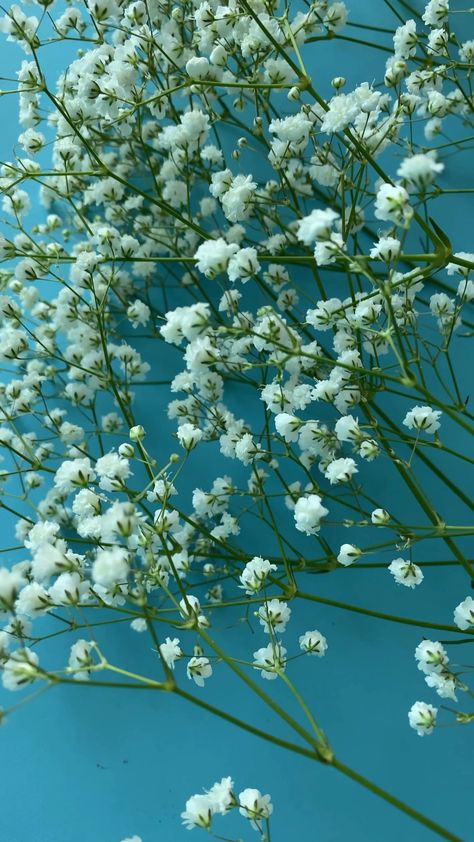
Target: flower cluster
224, 286
221, 799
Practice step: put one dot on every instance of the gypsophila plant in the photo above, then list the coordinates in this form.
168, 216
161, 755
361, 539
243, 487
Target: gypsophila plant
221, 799
211, 210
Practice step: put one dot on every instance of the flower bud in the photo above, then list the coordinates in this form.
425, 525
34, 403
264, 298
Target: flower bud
137, 432
127, 450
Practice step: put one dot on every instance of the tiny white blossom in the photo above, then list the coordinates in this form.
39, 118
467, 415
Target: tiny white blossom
380, 517
419, 170
308, 513
422, 718
170, 651
423, 418
80, 659
387, 248
431, 656
111, 566
255, 574
406, 572
255, 806
436, 12
20, 669
464, 614
270, 659
443, 683
317, 226
313, 643
392, 204
189, 436
198, 812
213, 256
274, 615
340, 470
199, 669
348, 554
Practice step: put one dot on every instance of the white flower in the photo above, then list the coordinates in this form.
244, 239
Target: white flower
347, 428
317, 226
274, 616
110, 567
436, 12
243, 265
80, 660
326, 314
20, 28
343, 109
431, 656
198, 812
442, 305
294, 130
466, 51
138, 313
348, 554
444, 684
287, 426
190, 607
340, 470
464, 614
20, 669
10, 582
221, 796
68, 589
326, 252
139, 625
313, 643
255, 806
453, 268
369, 450
269, 659
419, 170
213, 256
199, 669
387, 248
392, 204
113, 470
406, 572
189, 436
197, 67
255, 574
422, 717
32, 600
380, 517
237, 201
405, 40
74, 474
137, 432
308, 513
423, 418
170, 651
466, 289
438, 42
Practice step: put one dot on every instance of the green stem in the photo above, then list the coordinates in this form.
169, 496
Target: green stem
392, 618
395, 802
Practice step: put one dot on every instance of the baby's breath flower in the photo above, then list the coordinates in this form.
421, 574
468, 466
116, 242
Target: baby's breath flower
406, 572
422, 718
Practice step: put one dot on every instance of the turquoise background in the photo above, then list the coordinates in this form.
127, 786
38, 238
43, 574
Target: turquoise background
83, 764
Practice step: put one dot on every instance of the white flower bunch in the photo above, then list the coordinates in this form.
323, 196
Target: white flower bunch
221, 799
224, 289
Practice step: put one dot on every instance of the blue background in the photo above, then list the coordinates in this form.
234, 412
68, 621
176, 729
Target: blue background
83, 764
